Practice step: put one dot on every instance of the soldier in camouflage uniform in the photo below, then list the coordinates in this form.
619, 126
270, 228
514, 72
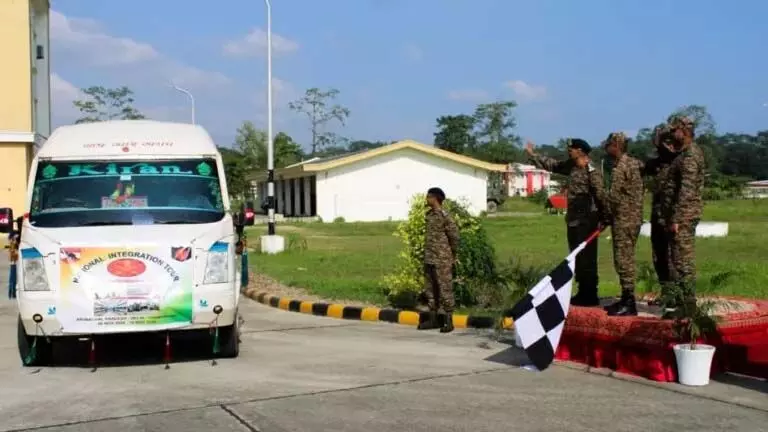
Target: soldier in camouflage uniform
441, 248
626, 203
659, 169
587, 211
682, 207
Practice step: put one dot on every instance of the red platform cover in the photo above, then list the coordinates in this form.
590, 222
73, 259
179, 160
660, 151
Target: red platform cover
642, 346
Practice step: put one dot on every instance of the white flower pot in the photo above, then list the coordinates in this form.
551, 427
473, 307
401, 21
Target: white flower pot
694, 365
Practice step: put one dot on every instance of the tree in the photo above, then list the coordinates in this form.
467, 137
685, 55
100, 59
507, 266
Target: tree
362, 145
495, 122
317, 106
287, 151
252, 143
456, 133
104, 104
236, 170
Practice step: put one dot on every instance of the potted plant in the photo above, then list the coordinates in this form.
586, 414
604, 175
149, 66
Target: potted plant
693, 320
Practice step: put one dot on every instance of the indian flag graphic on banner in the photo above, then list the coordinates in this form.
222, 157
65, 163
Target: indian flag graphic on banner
105, 290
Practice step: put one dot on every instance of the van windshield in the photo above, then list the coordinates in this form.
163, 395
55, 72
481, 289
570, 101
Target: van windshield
125, 192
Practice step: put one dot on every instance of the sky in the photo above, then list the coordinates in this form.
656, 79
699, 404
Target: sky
575, 68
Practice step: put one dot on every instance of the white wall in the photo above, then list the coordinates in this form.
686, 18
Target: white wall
378, 189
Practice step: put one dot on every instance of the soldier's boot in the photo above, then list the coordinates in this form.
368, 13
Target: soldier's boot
586, 299
430, 323
626, 306
448, 324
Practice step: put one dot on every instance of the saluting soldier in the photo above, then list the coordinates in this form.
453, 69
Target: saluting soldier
659, 169
587, 211
626, 203
441, 248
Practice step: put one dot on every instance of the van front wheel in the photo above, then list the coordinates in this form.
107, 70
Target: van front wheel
230, 341
33, 353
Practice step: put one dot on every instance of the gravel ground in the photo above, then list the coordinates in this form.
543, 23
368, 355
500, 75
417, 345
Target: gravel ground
263, 283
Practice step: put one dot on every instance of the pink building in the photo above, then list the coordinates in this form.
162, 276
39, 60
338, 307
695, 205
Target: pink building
525, 180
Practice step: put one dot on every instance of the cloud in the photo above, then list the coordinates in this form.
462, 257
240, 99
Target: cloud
526, 92
63, 93
85, 43
414, 53
254, 44
84, 38
468, 95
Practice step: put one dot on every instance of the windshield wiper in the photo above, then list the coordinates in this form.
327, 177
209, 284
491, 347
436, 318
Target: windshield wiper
175, 222
105, 223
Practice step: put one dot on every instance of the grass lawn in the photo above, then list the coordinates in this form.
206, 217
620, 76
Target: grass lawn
348, 260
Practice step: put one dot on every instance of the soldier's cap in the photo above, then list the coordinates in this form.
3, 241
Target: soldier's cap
678, 121
618, 138
437, 193
579, 144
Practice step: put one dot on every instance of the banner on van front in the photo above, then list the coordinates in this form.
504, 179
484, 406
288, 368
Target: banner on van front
106, 290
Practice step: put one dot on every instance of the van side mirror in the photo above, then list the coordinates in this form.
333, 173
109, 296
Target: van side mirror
6, 220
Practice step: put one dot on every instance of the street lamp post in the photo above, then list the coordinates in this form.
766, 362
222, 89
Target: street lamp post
271, 243
191, 99
270, 141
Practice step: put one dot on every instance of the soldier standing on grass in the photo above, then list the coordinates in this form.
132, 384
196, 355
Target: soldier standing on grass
587, 211
441, 248
659, 169
682, 211
626, 202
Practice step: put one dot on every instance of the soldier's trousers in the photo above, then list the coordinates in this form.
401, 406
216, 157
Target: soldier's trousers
661, 246
624, 236
683, 255
438, 288
586, 261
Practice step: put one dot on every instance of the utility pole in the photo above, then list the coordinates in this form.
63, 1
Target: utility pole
271, 243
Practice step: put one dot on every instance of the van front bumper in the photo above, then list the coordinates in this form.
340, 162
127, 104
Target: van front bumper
43, 305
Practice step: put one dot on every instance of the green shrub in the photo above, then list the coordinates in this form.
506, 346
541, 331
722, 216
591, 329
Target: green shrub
476, 279
540, 197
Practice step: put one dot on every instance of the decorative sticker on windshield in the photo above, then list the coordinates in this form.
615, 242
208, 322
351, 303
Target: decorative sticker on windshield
204, 169
49, 172
123, 196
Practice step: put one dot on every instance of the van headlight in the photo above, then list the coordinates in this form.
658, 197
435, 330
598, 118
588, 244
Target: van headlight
217, 265
35, 278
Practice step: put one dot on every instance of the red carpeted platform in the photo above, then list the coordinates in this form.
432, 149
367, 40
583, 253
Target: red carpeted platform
642, 346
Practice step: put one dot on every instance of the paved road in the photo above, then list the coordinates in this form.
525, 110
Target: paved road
304, 373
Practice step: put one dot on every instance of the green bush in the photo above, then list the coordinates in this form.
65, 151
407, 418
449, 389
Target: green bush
540, 197
476, 279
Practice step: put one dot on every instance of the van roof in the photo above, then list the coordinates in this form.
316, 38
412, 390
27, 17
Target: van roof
126, 137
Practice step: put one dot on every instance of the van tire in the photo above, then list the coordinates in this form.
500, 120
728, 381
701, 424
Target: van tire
492, 206
24, 342
230, 341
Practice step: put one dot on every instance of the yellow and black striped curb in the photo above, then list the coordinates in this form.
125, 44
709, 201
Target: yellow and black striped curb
359, 313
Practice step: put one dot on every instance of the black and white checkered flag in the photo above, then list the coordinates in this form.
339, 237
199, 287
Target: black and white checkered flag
540, 316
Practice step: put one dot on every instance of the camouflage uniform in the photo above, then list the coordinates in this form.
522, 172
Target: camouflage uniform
626, 201
683, 206
659, 169
587, 208
441, 245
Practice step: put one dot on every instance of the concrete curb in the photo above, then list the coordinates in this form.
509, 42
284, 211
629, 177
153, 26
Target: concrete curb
358, 313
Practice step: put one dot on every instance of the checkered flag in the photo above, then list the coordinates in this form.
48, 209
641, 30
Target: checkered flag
540, 316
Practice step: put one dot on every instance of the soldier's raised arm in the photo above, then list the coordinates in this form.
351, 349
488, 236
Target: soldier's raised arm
547, 163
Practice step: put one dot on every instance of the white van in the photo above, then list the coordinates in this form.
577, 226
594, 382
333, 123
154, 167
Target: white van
127, 230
